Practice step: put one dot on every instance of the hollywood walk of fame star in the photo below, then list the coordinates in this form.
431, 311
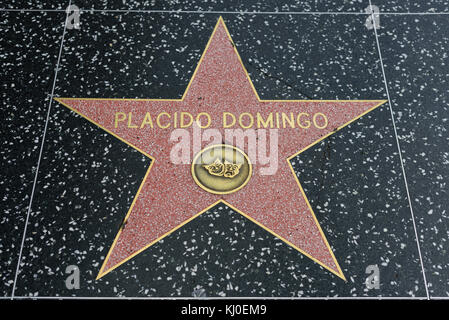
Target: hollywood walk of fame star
168, 197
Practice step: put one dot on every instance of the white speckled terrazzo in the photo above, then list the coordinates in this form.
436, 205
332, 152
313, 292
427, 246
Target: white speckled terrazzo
353, 180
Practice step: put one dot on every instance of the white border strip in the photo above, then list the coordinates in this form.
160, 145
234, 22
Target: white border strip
215, 298
230, 12
400, 153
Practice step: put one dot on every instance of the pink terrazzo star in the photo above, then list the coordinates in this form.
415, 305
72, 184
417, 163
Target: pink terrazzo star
168, 196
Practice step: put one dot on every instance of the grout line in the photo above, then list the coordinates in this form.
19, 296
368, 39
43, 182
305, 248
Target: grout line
400, 154
39, 159
228, 12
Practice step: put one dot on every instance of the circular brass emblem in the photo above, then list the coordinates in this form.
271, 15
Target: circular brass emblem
221, 169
